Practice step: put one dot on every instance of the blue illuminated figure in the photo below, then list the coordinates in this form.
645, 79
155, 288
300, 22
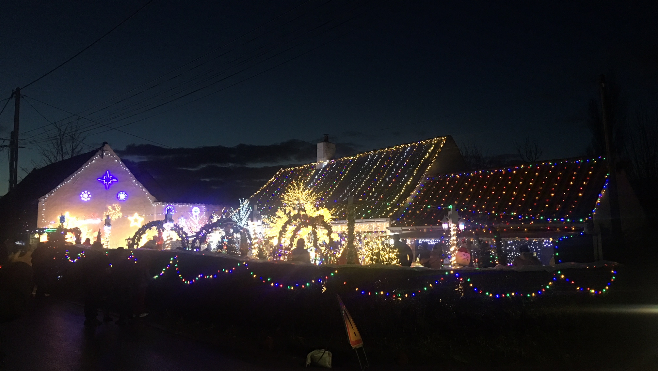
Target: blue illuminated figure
107, 179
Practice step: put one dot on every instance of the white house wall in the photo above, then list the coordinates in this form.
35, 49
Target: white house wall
90, 214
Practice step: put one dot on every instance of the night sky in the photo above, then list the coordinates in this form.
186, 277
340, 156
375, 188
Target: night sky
273, 76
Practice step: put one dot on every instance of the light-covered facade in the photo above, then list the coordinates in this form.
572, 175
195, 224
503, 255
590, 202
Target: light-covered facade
104, 196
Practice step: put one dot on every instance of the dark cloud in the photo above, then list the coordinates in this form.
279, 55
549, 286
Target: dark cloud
292, 151
219, 174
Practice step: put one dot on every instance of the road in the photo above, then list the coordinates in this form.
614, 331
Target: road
50, 336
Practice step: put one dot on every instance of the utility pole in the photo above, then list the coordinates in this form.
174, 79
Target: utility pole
613, 196
13, 142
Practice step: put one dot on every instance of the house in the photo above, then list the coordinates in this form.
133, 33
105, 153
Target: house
409, 189
380, 182
98, 193
539, 204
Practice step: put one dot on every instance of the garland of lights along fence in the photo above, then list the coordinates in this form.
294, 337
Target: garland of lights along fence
452, 280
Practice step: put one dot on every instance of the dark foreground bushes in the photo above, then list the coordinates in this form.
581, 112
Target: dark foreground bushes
448, 324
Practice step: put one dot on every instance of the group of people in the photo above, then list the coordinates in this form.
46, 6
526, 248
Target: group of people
111, 282
428, 257
435, 258
114, 283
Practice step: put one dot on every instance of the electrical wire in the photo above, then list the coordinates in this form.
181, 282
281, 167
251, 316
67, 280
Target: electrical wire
229, 86
90, 45
6, 102
118, 97
53, 123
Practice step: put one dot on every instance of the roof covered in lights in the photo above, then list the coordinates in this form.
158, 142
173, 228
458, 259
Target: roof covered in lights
565, 191
380, 181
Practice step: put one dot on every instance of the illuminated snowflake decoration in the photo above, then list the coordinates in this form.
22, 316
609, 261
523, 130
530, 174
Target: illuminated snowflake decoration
85, 196
122, 196
107, 179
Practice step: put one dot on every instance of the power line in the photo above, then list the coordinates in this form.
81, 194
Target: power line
5, 106
227, 87
117, 99
90, 45
134, 109
37, 111
63, 110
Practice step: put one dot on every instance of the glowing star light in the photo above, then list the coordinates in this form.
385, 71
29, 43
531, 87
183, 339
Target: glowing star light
85, 196
107, 179
136, 220
122, 196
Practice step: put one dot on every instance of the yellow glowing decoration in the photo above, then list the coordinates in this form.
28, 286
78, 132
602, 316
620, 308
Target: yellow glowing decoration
114, 211
377, 248
148, 236
453, 244
136, 220
299, 198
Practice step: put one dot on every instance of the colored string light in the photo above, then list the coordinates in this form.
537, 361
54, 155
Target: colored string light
453, 277
73, 260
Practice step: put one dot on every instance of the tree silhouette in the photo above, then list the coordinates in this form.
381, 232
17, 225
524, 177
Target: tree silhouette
529, 150
66, 142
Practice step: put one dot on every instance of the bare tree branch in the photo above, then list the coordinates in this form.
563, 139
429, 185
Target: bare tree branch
67, 142
529, 150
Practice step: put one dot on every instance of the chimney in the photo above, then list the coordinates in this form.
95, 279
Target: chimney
326, 152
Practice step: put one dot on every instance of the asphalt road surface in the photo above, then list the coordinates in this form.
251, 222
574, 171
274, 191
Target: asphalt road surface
51, 336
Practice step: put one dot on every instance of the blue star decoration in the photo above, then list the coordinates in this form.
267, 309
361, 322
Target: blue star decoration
107, 179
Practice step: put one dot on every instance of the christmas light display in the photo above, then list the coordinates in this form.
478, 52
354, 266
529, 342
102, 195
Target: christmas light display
195, 220
107, 179
136, 220
241, 215
376, 248
107, 230
550, 192
380, 181
85, 196
73, 260
170, 232
122, 196
114, 211
87, 178
458, 280
298, 217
